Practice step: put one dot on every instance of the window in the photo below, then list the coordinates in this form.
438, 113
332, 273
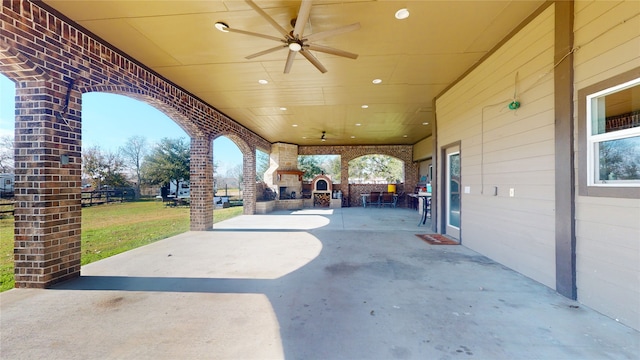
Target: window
608, 136
613, 136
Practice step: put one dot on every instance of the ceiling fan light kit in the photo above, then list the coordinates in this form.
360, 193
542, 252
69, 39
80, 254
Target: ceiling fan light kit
295, 41
294, 46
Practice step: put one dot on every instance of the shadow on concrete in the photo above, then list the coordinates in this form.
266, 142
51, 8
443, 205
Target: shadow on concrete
343, 290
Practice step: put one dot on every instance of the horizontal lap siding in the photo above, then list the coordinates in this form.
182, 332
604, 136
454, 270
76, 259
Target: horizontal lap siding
508, 149
607, 229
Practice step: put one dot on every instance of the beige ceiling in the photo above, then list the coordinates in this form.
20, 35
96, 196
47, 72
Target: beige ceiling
416, 59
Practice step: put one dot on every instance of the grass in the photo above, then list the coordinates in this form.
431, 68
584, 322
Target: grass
111, 229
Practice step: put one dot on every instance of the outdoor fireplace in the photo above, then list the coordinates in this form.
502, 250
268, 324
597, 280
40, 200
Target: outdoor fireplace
286, 193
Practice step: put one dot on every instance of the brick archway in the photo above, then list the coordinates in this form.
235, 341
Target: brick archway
248, 170
54, 62
151, 99
348, 153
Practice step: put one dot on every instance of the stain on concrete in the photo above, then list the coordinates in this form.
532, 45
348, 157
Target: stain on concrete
341, 269
395, 270
464, 349
399, 352
112, 302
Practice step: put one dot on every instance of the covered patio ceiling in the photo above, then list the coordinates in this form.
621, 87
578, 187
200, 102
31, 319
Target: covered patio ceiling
415, 59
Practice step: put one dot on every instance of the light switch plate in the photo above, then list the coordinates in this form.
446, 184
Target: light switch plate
512, 192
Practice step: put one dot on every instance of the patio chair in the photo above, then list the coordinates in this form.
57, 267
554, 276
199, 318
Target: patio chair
374, 198
387, 198
401, 199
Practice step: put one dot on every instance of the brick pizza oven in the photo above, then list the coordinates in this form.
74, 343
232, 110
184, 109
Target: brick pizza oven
321, 189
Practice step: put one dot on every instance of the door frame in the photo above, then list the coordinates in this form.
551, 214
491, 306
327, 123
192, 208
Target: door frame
443, 189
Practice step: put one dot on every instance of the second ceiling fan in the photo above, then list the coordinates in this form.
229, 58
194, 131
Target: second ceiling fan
295, 40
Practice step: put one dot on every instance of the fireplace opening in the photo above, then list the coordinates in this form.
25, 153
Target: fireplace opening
285, 194
321, 185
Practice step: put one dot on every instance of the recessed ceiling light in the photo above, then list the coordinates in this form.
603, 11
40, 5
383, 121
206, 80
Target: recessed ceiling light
402, 14
304, 137
353, 137
295, 125
283, 108
405, 135
221, 26
358, 124
377, 81
365, 106
263, 81
425, 123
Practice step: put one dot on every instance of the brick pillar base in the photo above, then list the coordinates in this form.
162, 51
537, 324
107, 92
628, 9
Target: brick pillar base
201, 183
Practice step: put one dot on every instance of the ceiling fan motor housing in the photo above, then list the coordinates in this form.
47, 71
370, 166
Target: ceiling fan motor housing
295, 40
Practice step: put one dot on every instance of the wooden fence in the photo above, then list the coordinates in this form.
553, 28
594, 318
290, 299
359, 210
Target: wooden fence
6, 208
97, 197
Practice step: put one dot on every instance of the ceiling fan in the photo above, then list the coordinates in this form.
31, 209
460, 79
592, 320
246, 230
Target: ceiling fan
295, 40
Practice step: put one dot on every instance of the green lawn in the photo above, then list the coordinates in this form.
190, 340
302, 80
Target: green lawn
111, 229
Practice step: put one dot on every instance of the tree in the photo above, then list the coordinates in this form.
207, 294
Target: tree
262, 164
372, 167
237, 173
334, 167
311, 165
134, 151
103, 168
6, 154
619, 159
168, 162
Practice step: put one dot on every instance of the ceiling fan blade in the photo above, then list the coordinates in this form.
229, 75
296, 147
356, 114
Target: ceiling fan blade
273, 23
253, 34
326, 34
312, 59
301, 20
290, 58
264, 52
333, 51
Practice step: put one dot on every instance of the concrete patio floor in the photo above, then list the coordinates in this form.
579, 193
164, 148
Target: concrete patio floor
349, 283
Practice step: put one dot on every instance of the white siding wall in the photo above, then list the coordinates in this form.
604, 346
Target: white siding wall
423, 149
508, 149
607, 229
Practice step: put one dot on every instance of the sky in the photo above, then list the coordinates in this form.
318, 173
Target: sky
108, 120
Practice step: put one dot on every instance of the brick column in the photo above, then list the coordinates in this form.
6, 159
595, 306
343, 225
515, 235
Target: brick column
249, 181
201, 183
48, 184
344, 177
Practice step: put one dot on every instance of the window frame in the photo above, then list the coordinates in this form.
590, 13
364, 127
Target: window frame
587, 142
